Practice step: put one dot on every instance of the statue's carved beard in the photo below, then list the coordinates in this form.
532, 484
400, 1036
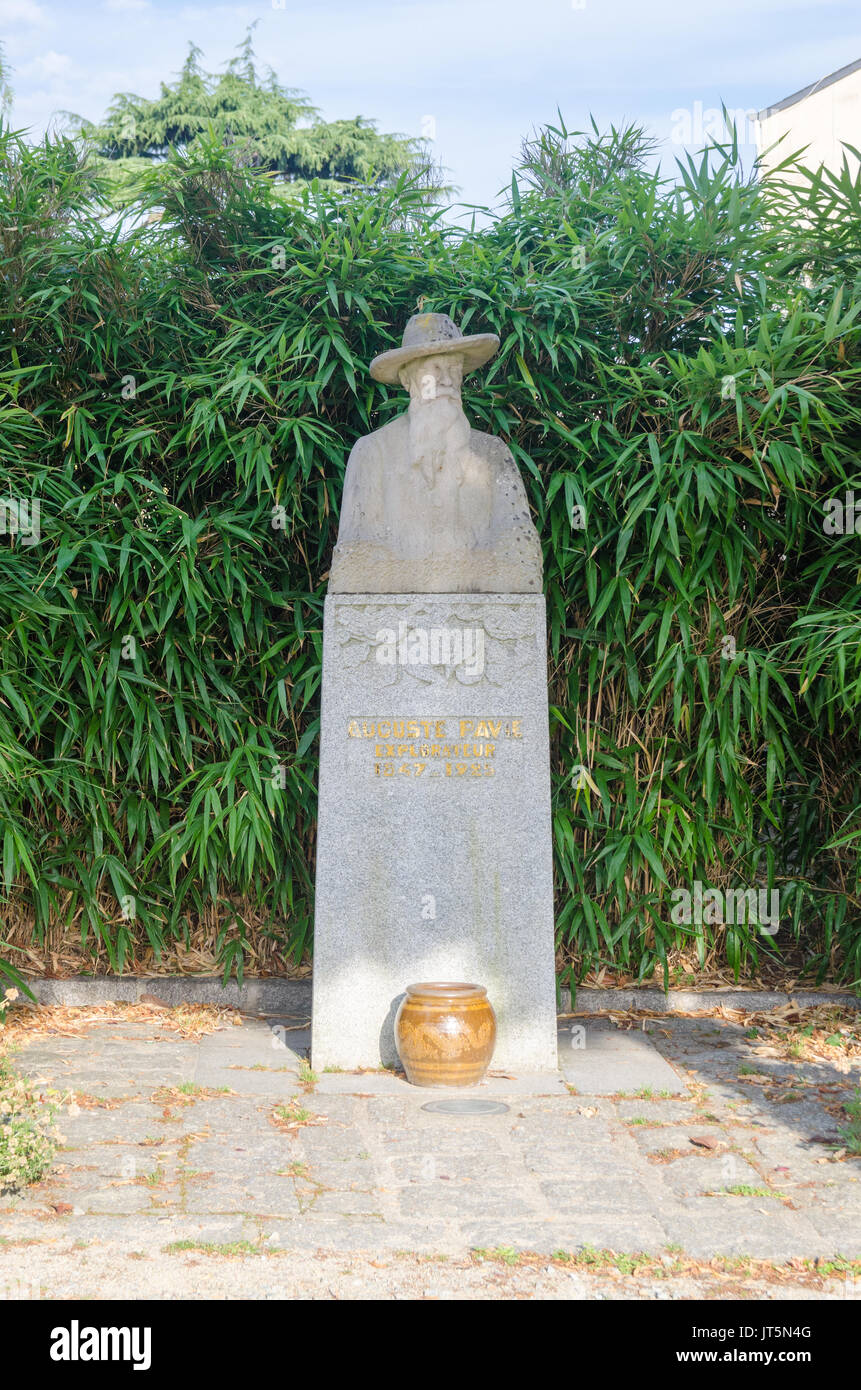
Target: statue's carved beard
439, 435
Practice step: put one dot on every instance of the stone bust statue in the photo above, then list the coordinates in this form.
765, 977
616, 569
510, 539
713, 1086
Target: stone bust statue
430, 504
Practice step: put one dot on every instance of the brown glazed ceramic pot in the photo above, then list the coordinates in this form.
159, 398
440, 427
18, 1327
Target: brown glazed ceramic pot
445, 1034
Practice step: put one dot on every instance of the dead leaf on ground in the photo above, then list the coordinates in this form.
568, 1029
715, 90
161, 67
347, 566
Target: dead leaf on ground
705, 1141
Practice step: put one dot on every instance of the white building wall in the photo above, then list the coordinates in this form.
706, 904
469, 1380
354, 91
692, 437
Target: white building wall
820, 120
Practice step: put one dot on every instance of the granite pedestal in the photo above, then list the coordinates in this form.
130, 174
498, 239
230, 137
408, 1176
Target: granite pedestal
434, 831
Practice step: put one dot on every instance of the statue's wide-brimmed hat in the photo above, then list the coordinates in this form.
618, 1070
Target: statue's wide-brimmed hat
430, 335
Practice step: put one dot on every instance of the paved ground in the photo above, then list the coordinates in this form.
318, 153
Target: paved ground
220, 1168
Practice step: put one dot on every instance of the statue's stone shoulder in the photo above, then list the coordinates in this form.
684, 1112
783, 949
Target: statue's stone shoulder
492, 448
381, 441
367, 465
363, 505
505, 476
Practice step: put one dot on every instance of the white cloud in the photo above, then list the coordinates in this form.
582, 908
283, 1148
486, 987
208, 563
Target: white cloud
47, 66
20, 12
126, 4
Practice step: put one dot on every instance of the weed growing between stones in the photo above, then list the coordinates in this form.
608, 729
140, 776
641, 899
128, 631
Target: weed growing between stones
850, 1133
28, 1139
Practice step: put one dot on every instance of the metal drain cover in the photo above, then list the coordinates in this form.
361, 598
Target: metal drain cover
466, 1106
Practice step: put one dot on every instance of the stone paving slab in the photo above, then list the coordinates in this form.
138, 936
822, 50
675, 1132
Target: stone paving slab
707, 1226
599, 1060
230, 1139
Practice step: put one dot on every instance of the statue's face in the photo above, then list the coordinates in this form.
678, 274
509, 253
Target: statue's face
430, 378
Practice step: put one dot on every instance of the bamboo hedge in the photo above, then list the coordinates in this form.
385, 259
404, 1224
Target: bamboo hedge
679, 382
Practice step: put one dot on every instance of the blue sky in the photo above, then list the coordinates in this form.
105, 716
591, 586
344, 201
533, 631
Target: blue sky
485, 72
